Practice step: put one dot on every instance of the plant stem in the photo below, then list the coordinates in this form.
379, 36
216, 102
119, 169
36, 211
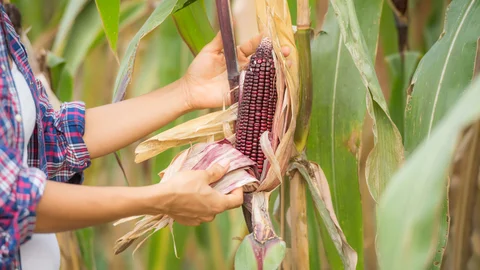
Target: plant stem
302, 38
298, 217
298, 203
229, 48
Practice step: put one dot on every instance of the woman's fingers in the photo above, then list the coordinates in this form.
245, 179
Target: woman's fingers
286, 51
233, 200
249, 47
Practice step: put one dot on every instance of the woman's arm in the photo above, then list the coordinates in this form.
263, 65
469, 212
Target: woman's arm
65, 207
114, 126
187, 198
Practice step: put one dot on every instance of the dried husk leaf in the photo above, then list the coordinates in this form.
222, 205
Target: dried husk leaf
201, 156
320, 190
274, 21
200, 129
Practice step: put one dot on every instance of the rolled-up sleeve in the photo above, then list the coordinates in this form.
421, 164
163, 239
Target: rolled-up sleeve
66, 151
20, 191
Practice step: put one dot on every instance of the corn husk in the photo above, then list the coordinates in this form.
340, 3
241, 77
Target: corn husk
201, 156
200, 129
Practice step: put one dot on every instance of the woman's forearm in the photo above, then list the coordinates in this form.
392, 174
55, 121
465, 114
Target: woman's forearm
114, 126
66, 207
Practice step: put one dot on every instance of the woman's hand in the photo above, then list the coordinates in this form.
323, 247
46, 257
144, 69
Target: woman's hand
206, 82
189, 199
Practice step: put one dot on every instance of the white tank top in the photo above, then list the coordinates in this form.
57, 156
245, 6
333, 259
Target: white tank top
41, 252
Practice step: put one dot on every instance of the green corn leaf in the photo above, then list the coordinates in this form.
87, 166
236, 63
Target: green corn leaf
86, 33
426, 22
85, 238
161, 12
388, 35
410, 211
245, 257
336, 125
110, 12
193, 25
434, 25
442, 75
130, 13
400, 76
387, 153
61, 77
56, 65
32, 15
74, 7
83, 32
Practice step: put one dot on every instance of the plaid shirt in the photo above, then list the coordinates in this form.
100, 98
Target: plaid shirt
56, 150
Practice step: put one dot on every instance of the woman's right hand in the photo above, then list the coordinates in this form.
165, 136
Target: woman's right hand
189, 199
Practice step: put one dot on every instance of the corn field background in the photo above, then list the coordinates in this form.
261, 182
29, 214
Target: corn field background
425, 57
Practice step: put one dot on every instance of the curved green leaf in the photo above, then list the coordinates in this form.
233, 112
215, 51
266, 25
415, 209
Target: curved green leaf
245, 257
74, 7
400, 76
109, 12
336, 125
388, 34
252, 254
439, 81
434, 25
410, 211
130, 12
161, 12
86, 238
443, 73
87, 32
61, 78
387, 153
193, 25
83, 32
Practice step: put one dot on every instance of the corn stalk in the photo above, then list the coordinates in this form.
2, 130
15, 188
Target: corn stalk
299, 257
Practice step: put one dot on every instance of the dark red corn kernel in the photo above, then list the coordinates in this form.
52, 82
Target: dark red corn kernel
258, 104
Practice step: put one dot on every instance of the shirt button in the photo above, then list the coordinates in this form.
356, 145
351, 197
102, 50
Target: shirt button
18, 117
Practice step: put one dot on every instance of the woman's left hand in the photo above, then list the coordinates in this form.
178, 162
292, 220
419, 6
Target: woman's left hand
206, 83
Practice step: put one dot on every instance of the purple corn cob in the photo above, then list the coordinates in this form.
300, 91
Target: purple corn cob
257, 104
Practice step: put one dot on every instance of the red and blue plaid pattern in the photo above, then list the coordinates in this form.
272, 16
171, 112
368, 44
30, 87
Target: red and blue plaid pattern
56, 150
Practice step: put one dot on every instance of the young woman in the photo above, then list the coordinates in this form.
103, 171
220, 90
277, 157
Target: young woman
38, 144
